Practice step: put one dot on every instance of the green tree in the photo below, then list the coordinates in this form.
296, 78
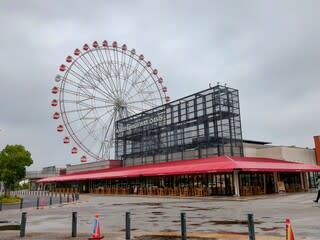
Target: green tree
13, 162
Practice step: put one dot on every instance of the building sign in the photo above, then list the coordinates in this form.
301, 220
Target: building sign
281, 186
143, 122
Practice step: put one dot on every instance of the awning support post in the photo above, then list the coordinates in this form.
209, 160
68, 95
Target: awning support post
236, 183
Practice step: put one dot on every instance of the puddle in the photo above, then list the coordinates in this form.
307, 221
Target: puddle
9, 227
132, 229
266, 229
230, 222
157, 213
139, 204
151, 237
235, 233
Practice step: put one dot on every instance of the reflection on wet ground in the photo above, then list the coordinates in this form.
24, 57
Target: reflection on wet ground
9, 227
154, 215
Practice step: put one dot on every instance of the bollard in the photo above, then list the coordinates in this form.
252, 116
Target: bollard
60, 199
0, 205
183, 226
50, 201
23, 224
128, 227
21, 203
251, 227
74, 224
73, 197
38, 201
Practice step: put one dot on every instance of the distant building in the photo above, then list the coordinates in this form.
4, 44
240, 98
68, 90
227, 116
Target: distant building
51, 171
192, 146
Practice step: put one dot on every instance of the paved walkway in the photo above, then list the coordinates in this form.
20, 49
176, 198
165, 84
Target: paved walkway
209, 218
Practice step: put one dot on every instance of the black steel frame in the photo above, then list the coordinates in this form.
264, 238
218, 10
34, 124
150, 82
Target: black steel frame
203, 124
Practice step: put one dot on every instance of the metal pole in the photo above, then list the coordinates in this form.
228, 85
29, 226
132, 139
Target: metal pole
74, 224
60, 199
251, 227
183, 226
23, 224
38, 201
128, 227
0, 205
21, 203
50, 200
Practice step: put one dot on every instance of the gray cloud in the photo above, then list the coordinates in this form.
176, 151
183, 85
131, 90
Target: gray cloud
268, 50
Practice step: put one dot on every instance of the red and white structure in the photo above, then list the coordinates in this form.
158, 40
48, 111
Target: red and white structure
97, 85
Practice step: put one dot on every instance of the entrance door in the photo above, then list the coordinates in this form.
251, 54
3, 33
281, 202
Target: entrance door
270, 184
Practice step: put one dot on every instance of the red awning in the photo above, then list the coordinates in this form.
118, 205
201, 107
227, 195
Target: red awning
194, 166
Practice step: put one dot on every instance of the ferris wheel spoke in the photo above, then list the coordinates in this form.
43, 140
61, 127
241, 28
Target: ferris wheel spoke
117, 67
139, 91
105, 69
145, 100
103, 147
131, 72
134, 81
69, 91
140, 84
82, 78
132, 112
94, 73
90, 78
101, 91
84, 127
84, 109
99, 69
83, 103
137, 108
114, 66
124, 66
109, 65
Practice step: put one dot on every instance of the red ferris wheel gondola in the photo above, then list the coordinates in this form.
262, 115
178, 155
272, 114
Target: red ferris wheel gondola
74, 150
66, 140
54, 103
83, 159
54, 90
56, 115
60, 128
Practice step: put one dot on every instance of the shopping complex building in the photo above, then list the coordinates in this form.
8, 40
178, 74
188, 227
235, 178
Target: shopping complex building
192, 146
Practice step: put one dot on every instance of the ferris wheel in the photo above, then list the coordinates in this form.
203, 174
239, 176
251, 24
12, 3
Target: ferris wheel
97, 86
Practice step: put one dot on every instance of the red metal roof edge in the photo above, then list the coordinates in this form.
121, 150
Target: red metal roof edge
236, 164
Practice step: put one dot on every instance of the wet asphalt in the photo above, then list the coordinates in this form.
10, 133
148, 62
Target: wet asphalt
150, 215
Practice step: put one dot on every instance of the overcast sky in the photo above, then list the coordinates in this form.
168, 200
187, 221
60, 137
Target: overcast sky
269, 50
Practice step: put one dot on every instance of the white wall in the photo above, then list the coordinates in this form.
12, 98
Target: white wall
292, 154
299, 155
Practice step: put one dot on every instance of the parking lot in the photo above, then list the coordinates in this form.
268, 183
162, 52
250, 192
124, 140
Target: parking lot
209, 218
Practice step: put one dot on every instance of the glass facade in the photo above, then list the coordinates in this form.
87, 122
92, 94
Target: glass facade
204, 124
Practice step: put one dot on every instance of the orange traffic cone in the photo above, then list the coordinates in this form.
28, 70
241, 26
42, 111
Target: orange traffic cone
289, 231
42, 203
96, 235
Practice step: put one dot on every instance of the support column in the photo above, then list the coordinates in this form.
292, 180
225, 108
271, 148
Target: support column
264, 184
236, 183
275, 178
302, 180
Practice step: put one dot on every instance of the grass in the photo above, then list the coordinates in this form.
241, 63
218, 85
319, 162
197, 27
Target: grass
10, 199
